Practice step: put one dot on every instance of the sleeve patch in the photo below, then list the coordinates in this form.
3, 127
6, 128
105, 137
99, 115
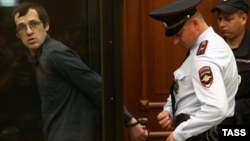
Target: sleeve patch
202, 48
206, 76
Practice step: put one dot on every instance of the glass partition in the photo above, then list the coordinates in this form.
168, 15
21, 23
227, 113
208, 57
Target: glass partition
75, 23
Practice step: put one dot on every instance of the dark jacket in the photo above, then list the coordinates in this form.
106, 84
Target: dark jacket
242, 55
70, 94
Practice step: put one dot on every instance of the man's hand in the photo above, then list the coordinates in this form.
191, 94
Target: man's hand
165, 120
137, 132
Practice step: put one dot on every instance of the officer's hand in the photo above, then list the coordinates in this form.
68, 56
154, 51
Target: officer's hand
165, 120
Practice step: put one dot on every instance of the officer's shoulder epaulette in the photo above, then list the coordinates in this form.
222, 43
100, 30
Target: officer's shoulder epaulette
202, 48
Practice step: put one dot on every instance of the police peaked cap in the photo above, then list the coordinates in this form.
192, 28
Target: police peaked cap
175, 15
231, 6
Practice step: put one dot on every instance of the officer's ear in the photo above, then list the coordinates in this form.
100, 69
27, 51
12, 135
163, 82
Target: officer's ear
244, 18
194, 22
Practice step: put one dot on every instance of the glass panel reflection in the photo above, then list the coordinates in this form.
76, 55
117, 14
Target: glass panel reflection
20, 118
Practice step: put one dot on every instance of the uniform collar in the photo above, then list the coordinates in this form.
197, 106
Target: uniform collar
201, 38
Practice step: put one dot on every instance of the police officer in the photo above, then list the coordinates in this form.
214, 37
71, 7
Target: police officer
232, 19
205, 84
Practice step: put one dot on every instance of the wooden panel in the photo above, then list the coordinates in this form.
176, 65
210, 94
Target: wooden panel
111, 70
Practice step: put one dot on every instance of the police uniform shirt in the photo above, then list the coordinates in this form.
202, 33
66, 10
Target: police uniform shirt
206, 84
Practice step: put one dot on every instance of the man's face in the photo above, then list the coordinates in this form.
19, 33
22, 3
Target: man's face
231, 25
187, 36
31, 30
